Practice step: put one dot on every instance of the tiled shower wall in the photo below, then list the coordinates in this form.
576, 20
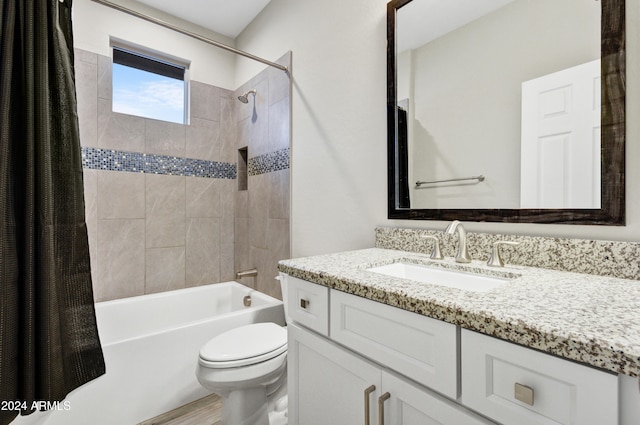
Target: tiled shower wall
160, 197
262, 211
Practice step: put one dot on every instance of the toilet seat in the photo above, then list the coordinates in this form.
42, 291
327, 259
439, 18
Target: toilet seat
243, 346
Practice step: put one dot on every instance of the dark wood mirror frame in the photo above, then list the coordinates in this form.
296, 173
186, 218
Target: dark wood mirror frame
612, 211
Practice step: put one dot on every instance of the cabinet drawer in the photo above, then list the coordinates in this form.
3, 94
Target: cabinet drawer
517, 385
308, 304
416, 346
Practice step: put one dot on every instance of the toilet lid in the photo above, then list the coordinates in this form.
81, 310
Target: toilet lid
248, 344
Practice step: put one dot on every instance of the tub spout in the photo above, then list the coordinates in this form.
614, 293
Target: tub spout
247, 273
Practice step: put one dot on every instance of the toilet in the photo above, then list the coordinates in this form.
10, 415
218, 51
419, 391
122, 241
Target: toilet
246, 366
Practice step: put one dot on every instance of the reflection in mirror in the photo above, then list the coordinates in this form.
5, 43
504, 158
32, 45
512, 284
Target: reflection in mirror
495, 110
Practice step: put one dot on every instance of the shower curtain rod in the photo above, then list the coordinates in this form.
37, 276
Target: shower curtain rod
190, 34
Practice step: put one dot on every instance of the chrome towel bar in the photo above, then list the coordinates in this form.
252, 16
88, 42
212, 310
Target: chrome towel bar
480, 178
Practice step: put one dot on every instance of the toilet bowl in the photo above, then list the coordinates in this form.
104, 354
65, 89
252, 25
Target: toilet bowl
246, 367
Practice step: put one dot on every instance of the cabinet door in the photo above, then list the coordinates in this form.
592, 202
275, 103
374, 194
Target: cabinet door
327, 383
410, 404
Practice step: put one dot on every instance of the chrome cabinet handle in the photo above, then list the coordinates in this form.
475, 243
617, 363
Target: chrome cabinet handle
384, 397
367, 395
304, 303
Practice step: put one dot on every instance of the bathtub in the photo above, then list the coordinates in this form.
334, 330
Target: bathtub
151, 346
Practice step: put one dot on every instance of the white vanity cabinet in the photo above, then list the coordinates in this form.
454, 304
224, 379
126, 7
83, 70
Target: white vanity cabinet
359, 374
329, 384
354, 361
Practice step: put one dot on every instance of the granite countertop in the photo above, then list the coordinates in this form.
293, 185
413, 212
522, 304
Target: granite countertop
590, 319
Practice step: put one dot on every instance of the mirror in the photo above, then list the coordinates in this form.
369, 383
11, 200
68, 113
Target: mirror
504, 111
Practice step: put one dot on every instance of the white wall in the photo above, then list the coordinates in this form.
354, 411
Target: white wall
94, 24
339, 124
338, 115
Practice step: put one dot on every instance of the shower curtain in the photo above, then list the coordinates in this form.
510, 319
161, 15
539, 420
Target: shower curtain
49, 342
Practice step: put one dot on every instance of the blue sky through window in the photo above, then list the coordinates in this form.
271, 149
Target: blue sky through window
149, 95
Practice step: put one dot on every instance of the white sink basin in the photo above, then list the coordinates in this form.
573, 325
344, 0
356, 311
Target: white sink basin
441, 276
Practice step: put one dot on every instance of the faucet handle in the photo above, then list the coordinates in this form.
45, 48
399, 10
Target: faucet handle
495, 260
436, 254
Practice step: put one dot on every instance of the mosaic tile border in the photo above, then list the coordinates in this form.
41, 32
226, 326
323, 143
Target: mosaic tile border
596, 257
269, 162
136, 162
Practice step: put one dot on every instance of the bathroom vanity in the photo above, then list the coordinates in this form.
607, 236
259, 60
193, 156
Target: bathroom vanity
368, 345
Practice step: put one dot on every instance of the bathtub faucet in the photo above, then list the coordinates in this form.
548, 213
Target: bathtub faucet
247, 273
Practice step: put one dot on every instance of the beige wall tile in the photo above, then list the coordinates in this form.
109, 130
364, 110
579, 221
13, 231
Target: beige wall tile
279, 125
165, 269
279, 199
241, 248
278, 248
203, 251
90, 178
119, 131
242, 204
165, 210
227, 204
202, 139
164, 138
258, 209
205, 101
279, 82
85, 56
227, 262
258, 257
105, 77
121, 195
86, 91
183, 230
228, 132
121, 265
203, 197
257, 123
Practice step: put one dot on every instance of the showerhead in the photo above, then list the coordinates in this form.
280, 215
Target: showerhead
244, 98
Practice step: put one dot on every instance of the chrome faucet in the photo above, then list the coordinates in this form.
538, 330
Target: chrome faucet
463, 255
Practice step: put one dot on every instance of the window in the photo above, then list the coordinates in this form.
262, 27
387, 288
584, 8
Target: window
148, 87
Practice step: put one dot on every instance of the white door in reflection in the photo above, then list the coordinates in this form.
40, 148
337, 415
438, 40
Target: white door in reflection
560, 144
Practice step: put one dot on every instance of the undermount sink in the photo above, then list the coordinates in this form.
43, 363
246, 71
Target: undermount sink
441, 276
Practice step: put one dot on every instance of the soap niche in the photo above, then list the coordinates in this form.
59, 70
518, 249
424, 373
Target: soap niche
242, 168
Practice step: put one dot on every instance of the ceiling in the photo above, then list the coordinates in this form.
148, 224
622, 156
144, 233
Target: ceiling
225, 17
422, 21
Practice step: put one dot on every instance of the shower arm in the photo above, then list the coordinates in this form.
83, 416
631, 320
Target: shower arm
190, 34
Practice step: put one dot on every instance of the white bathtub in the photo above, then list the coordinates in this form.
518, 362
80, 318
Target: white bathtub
151, 346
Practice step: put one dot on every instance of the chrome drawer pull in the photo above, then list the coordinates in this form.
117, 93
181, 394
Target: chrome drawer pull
384, 397
367, 395
523, 394
304, 303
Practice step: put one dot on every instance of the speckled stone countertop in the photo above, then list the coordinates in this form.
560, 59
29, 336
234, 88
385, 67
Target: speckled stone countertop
590, 319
